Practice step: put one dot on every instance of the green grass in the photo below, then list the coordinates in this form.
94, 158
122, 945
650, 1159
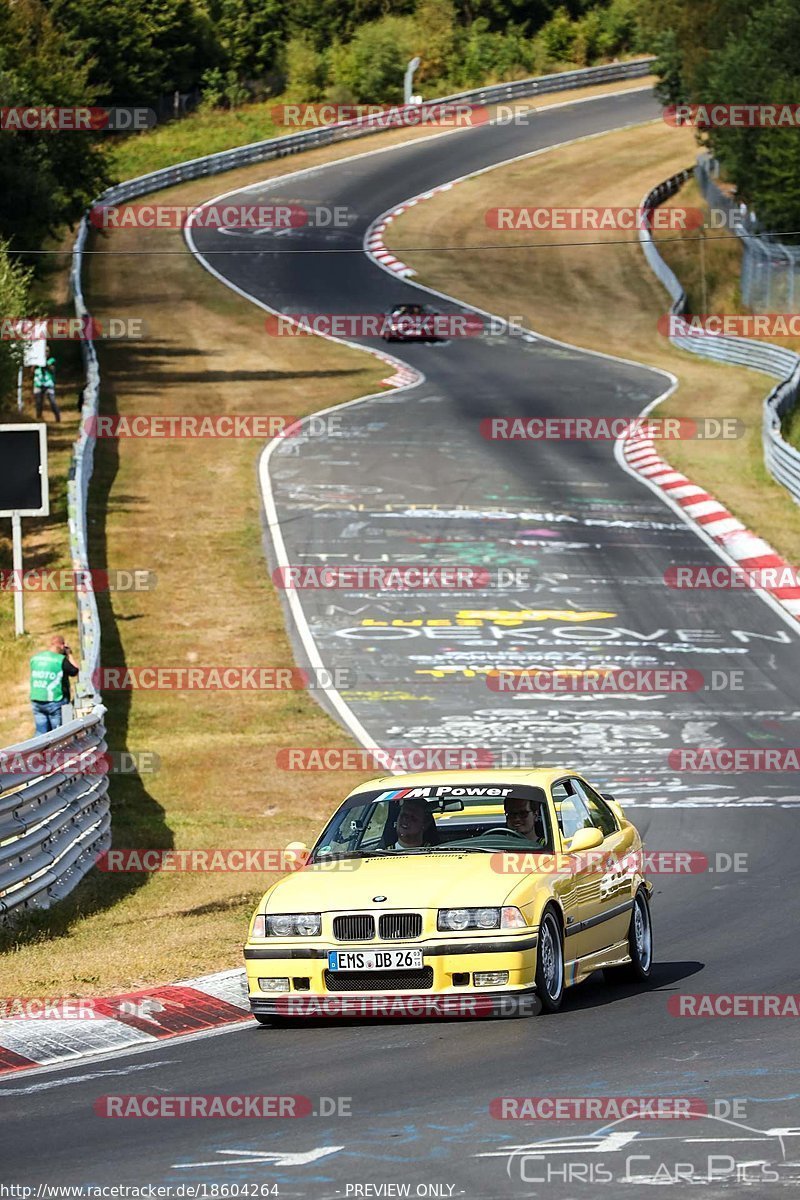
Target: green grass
212, 131
194, 136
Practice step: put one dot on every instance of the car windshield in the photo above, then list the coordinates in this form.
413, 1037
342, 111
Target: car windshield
438, 820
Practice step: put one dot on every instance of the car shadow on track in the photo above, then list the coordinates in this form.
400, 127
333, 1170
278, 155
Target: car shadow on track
595, 991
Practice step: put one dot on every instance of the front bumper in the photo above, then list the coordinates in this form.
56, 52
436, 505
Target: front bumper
480, 1003
449, 967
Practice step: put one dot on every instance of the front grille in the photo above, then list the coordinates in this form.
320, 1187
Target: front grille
355, 928
378, 981
398, 926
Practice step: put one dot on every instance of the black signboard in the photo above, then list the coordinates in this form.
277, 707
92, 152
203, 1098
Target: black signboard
23, 470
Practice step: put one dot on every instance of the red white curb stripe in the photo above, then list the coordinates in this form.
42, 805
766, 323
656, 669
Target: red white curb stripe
705, 511
127, 1020
375, 244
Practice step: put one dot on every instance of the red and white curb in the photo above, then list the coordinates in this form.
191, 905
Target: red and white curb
403, 375
117, 1022
374, 241
705, 511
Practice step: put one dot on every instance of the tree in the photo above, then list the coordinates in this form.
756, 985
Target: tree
373, 63
758, 65
47, 179
249, 34
139, 50
14, 302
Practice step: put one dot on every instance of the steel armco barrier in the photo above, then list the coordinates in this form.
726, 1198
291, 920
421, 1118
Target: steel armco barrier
53, 825
770, 273
782, 460
54, 813
292, 143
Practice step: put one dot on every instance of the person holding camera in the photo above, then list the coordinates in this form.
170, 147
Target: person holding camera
51, 671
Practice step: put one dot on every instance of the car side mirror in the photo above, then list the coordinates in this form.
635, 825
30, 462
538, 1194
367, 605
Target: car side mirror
614, 805
295, 856
585, 839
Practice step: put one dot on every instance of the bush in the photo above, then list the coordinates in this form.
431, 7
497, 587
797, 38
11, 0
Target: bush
373, 64
558, 37
306, 69
15, 283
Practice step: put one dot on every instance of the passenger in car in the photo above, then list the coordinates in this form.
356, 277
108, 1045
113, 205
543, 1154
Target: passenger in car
524, 816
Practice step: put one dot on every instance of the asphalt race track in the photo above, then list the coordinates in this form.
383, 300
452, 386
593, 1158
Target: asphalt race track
408, 478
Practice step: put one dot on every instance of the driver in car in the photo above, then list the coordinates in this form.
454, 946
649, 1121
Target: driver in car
524, 816
415, 826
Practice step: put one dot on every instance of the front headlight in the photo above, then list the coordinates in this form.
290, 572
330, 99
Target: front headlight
454, 920
287, 925
457, 919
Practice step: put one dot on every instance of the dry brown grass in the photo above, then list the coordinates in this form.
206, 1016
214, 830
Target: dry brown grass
189, 511
604, 296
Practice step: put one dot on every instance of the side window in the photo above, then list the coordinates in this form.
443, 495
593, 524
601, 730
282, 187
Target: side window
572, 813
375, 826
599, 812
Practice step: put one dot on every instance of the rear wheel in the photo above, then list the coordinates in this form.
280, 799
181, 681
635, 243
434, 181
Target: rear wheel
550, 963
640, 946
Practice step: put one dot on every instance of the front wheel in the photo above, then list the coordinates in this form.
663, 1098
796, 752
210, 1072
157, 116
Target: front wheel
640, 946
550, 963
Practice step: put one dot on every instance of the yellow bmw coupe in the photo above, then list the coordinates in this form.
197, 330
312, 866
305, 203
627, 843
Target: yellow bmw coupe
454, 893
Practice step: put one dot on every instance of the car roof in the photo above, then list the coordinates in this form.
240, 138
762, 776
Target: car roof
523, 776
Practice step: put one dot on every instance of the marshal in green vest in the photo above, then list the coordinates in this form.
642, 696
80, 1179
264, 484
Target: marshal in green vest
47, 676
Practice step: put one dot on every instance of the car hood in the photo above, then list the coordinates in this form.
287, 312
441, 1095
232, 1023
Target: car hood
409, 881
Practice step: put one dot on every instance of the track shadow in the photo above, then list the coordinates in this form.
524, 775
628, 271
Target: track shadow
595, 992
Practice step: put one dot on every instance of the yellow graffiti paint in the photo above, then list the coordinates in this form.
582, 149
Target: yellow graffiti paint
476, 617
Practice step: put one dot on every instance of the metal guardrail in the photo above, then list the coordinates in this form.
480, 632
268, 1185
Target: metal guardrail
770, 272
781, 459
54, 813
54, 824
293, 143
